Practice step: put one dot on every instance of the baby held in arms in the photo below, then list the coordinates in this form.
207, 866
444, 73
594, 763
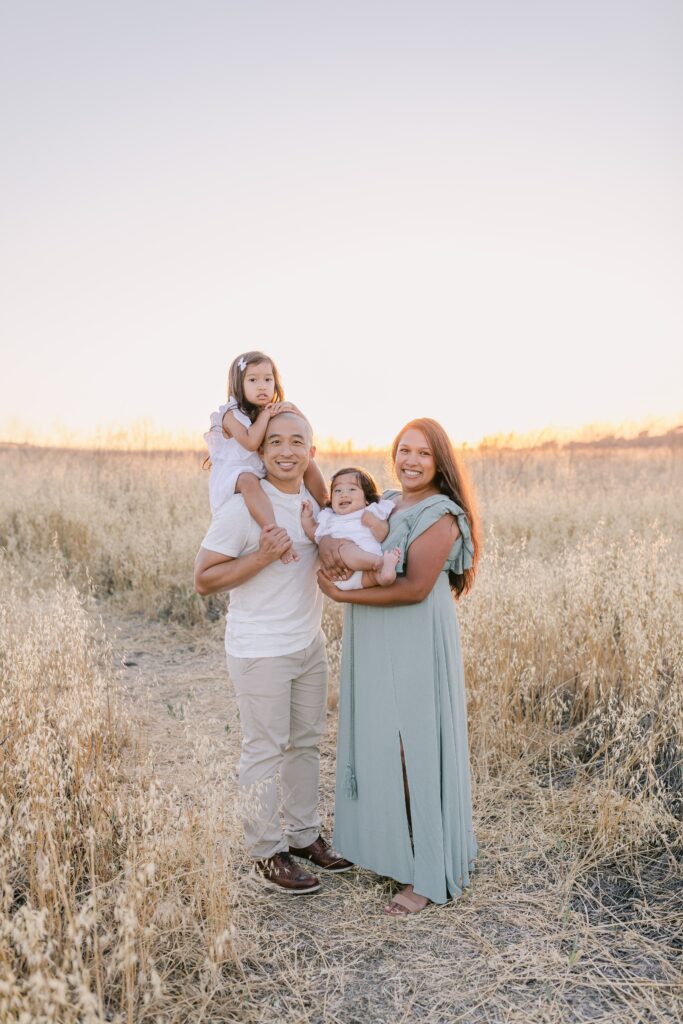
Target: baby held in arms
358, 516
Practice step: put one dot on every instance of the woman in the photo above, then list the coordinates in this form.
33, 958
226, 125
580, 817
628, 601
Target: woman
403, 803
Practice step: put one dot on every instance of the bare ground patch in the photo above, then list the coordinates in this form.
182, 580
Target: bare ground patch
548, 932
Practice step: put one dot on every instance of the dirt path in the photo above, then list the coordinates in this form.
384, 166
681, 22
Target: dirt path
519, 947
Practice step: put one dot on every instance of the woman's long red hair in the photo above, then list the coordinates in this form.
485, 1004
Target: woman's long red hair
451, 479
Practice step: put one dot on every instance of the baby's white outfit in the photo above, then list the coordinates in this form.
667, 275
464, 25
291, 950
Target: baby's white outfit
228, 458
349, 527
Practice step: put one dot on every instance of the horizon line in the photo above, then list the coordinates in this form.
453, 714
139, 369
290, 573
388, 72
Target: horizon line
140, 436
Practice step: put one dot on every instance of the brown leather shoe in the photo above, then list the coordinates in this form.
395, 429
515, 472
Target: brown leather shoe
322, 855
281, 872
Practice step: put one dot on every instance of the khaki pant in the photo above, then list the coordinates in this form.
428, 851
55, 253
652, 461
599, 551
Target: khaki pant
283, 704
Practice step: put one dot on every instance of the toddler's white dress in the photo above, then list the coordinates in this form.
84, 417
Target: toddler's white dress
228, 458
350, 527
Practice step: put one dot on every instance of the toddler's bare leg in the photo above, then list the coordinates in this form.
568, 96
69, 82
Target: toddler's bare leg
260, 507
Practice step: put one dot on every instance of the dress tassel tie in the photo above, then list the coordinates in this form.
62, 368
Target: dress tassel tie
350, 784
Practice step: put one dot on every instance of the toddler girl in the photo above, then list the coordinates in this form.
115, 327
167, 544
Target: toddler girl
237, 431
358, 517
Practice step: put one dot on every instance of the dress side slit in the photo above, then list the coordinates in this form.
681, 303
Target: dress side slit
406, 791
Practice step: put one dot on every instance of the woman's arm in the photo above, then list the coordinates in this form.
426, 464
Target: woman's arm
250, 437
427, 556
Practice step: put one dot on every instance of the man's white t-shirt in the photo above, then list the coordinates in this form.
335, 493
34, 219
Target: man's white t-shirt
279, 610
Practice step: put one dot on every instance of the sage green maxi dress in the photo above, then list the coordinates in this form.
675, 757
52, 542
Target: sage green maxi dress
402, 682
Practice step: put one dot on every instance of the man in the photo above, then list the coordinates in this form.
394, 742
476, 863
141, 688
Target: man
277, 661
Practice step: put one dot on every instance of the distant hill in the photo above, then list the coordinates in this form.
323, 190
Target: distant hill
670, 439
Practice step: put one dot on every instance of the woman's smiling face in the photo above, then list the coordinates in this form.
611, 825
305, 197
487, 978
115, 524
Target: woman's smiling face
415, 466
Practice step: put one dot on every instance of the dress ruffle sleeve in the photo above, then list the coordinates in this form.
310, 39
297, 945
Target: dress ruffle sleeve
382, 508
216, 441
214, 437
414, 522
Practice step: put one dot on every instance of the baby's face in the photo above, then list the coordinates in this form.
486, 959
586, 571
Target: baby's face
347, 495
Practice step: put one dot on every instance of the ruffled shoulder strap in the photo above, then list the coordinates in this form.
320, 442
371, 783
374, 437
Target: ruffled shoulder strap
424, 515
382, 508
232, 406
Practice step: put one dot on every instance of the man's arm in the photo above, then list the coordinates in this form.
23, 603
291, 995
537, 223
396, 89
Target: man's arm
333, 564
214, 572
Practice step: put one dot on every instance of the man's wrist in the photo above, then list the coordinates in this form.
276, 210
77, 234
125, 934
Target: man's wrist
264, 558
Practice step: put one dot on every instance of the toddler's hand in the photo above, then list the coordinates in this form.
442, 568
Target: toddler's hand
289, 556
276, 407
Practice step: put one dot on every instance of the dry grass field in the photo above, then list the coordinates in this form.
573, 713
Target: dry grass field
123, 884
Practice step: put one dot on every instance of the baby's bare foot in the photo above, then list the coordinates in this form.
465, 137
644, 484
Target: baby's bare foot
387, 574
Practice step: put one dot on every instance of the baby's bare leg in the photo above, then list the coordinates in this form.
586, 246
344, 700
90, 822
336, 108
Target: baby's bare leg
384, 576
259, 506
355, 558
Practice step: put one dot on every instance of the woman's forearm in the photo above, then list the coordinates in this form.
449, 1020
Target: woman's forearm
427, 556
403, 591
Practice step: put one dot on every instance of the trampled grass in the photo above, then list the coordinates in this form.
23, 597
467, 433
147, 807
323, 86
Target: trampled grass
124, 898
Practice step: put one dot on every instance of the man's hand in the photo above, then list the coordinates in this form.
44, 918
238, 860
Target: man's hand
329, 589
214, 572
274, 543
333, 565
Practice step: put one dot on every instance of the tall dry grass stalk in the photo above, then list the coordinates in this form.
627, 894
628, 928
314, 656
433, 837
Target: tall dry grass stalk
115, 896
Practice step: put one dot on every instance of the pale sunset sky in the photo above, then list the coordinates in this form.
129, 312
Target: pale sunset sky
464, 210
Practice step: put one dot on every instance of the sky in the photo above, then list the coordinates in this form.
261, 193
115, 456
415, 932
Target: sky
467, 211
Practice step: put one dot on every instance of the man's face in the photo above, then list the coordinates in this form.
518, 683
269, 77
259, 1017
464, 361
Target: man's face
286, 449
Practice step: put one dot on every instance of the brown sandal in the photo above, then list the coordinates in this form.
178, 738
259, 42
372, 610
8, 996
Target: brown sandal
402, 905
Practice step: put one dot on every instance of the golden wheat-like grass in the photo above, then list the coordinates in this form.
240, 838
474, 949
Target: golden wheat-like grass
124, 895
112, 890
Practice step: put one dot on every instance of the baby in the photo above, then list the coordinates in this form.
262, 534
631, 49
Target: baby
357, 516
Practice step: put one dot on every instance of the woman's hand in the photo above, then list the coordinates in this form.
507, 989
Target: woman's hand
333, 565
